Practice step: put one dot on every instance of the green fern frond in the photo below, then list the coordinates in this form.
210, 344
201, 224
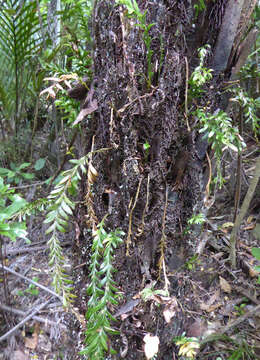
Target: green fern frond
59, 212
103, 293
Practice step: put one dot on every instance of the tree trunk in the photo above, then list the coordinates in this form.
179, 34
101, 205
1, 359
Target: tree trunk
152, 180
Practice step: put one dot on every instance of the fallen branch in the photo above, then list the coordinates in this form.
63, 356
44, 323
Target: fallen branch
31, 248
244, 292
32, 282
229, 326
25, 250
16, 327
35, 317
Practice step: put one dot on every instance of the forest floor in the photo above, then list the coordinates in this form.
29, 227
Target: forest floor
205, 296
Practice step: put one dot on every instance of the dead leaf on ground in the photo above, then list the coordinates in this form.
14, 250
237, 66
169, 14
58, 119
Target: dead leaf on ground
124, 351
136, 322
170, 310
253, 272
224, 285
160, 299
249, 227
31, 342
210, 304
151, 346
226, 227
127, 308
197, 328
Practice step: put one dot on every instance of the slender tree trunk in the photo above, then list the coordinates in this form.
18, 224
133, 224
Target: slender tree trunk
242, 213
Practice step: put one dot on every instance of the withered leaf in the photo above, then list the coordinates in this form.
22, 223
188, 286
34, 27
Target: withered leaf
151, 346
92, 106
224, 285
210, 304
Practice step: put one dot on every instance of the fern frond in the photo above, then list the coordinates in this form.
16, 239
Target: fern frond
58, 215
20, 38
59, 212
102, 292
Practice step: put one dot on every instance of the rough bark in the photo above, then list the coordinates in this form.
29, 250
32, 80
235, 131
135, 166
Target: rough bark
150, 194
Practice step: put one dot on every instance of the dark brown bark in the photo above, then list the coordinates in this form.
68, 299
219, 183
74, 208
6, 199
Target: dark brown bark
131, 114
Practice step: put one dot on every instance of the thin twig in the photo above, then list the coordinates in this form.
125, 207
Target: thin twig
120, 111
32, 282
26, 186
232, 324
6, 292
16, 327
239, 165
210, 176
24, 250
163, 238
186, 94
128, 240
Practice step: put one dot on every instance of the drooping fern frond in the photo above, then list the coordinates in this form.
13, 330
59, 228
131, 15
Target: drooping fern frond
58, 216
102, 292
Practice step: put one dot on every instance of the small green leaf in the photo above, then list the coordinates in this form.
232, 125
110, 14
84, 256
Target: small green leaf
51, 228
66, 208
39, 164
256, 253
146, 146
64, 179
60, 228
17, 204
27, 176
63, 213
74, 161
4, 172
23, 166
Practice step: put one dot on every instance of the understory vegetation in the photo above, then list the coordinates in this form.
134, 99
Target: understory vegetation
81, 205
